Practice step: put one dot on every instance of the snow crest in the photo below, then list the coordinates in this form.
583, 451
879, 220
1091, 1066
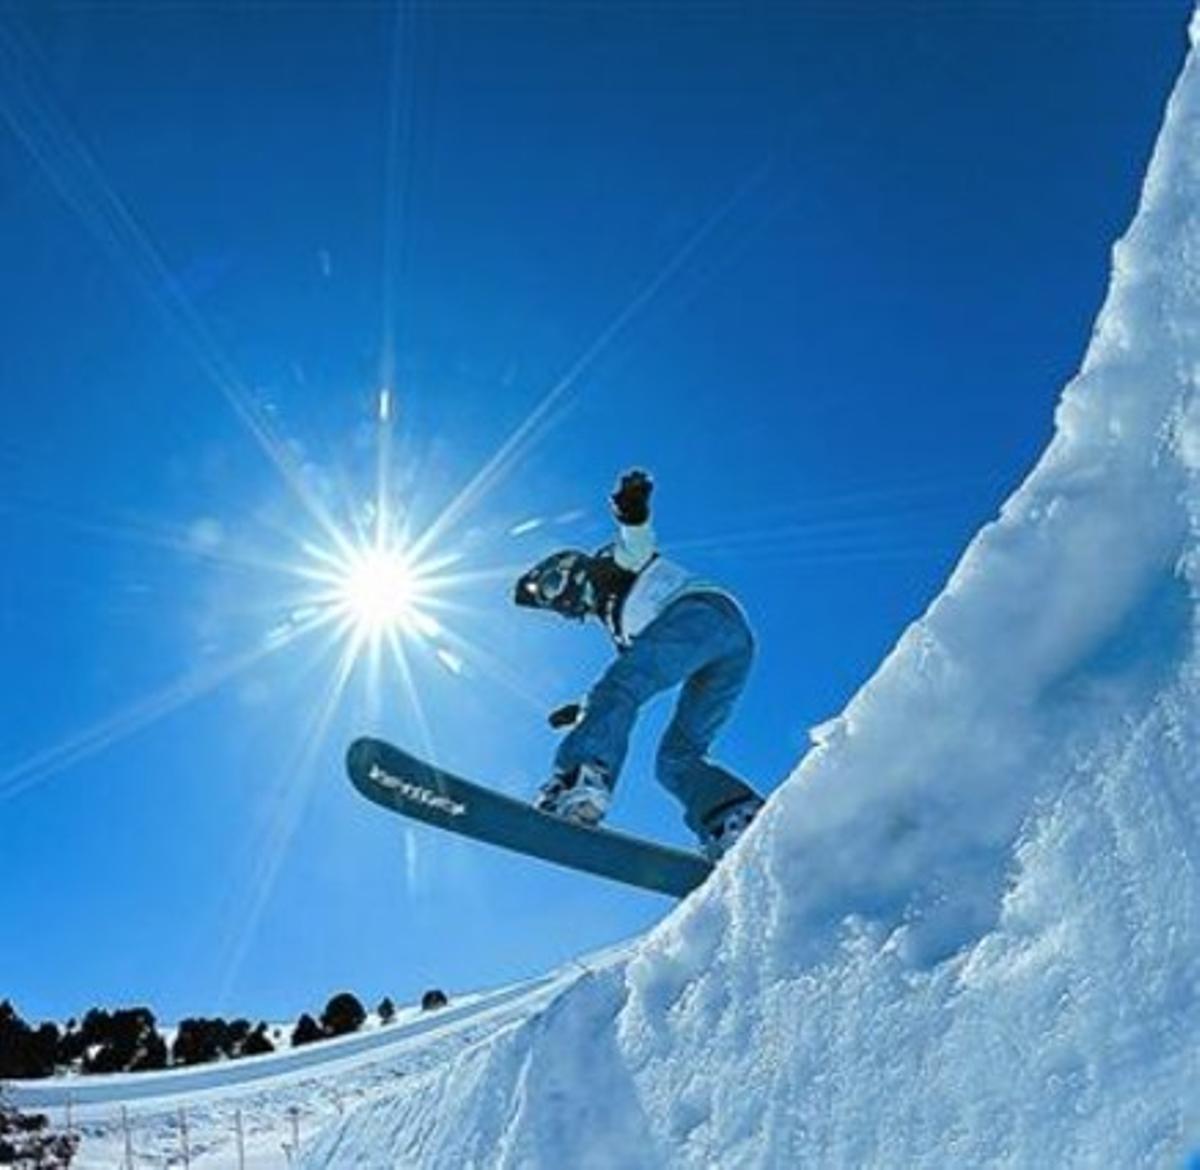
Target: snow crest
966, 931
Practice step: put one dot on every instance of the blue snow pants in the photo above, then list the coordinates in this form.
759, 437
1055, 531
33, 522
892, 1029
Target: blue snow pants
701, 640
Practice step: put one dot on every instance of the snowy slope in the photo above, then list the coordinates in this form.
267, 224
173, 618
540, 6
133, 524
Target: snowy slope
275, 1096
205, 1080
967, 930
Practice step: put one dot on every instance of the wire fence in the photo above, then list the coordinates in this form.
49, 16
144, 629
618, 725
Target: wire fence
190, 1135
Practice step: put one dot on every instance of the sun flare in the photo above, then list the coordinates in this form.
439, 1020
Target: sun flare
379, 592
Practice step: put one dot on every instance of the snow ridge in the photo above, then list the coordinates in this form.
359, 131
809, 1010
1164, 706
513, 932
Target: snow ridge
966, 931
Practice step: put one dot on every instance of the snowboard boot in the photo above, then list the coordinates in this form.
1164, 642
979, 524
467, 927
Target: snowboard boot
724, 826
581, 795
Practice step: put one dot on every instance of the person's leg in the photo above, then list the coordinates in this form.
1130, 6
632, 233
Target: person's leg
669, 650
705, 703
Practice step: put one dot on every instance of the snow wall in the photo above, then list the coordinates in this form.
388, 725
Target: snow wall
966, 931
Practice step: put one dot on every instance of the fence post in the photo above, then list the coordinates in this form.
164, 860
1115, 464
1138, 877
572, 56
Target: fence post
291, 1148
128, 1138
241, 1140
183, 1138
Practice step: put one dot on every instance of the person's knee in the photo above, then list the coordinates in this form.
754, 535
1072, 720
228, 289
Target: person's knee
613, 694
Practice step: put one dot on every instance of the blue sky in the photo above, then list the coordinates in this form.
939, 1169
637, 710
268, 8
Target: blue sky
822, 268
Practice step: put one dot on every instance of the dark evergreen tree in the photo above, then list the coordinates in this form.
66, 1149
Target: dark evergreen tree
306, 1031
96, 1028
343, 1014
187, 1047
386, 1011
236, 1037
14, 1042
258, 1042
45, 1049
434, 998
199, 1041
125, 1039
24, 1051
151, 1054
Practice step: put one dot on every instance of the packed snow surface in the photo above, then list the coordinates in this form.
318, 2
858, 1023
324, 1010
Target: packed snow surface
966, 931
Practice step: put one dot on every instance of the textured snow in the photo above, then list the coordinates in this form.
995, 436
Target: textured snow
966, 931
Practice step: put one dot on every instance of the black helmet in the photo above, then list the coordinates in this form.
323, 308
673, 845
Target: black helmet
560, 582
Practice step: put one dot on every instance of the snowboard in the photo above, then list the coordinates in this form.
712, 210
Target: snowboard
413, 788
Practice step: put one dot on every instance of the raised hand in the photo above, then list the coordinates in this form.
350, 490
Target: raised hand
631, 499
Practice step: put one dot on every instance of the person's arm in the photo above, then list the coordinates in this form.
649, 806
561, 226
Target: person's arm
635, 545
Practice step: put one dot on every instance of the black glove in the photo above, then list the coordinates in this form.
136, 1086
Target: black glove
631, 500
565, 716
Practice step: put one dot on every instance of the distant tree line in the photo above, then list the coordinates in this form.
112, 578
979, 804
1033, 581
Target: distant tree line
124, 1040
201, 1041
128, 1039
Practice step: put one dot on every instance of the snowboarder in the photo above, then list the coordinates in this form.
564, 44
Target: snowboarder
670, 628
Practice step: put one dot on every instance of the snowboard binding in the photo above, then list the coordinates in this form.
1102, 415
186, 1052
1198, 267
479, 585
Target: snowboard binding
581, 795
726, 825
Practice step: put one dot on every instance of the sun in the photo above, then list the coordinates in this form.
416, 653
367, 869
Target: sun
379, 591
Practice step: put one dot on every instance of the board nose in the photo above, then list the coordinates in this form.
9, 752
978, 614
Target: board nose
360, 754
